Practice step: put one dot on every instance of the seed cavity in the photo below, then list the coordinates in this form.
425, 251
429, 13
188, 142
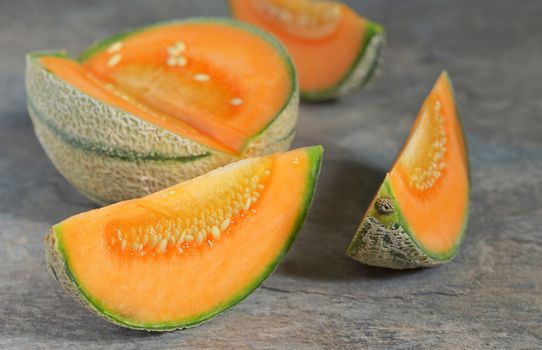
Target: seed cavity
196, 223
114, 60
426, 167
311, 15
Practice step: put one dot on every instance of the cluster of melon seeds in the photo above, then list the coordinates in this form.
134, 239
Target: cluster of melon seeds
175, 55
115, 55
301, 13
302, 16
201, 221
425, 167
176, 58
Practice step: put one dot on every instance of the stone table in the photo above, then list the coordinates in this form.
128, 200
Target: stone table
488, 297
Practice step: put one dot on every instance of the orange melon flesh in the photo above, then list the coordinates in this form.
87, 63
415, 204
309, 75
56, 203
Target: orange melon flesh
190, 79
430, 177
181, 283
322, 51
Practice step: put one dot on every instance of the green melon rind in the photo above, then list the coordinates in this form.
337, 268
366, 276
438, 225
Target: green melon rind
102, 149
58, 262
87, 169
61, 108
361, 71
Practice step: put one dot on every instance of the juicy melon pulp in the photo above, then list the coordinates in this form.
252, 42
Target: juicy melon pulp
177, 257
216, 84
325, 38
430, 180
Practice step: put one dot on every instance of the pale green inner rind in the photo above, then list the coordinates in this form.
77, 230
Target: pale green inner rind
329, 92
105, 43
315, 158
105, 150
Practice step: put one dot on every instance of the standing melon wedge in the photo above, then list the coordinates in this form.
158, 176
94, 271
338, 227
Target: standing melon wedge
420, 212
333, 48
151, 107
178, 257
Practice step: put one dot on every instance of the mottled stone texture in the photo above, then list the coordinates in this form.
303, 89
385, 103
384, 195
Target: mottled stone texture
490, 296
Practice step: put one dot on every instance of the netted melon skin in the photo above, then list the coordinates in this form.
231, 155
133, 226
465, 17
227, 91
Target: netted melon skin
110, 155
392, 247
367, 67
363, 71
383, 238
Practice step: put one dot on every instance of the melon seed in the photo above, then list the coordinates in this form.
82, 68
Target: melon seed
180, 46
171, 61
181, 61
236, 101
247, 204
225, 224
162, 246
115, 47
201, 77
114, 60
215, 232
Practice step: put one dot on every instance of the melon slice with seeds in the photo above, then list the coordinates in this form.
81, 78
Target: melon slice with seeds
154, 106
334, 49
178, 257
420, 212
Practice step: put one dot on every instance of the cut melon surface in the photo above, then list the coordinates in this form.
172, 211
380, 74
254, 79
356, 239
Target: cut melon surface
333, 48
176, 258
197, 93
420, 212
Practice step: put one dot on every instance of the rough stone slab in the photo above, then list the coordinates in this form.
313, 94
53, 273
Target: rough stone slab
488, 297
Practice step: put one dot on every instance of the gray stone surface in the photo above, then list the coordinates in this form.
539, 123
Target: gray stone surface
488, 297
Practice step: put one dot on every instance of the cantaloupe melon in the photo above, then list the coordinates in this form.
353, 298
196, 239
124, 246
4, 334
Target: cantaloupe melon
419, 215
178, 257
334, 49
157, 105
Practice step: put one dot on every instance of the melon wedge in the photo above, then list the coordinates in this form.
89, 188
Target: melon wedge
148, 108
419, 215
334, 49
178, 257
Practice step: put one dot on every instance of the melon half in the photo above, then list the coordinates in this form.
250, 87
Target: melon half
148, 108
178, 257
419, 215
